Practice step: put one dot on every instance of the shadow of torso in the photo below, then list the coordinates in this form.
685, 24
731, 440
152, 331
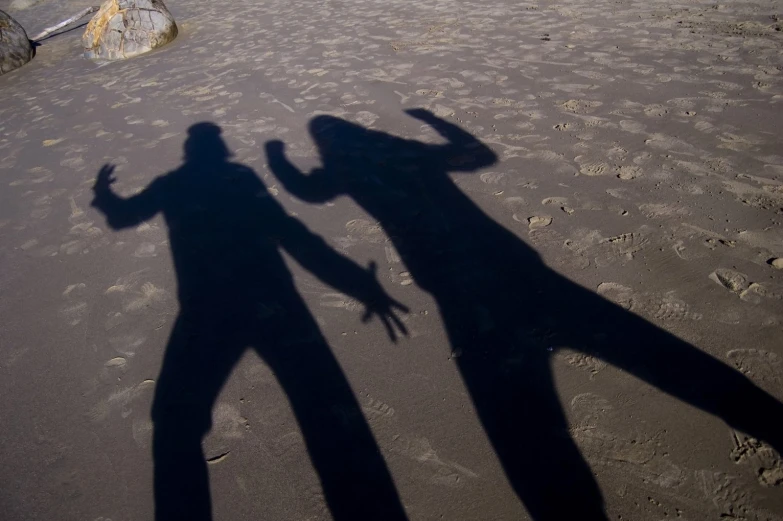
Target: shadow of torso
224, 229
452, 248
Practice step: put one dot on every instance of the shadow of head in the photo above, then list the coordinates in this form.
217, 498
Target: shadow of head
329, 128
337, 137
204, 144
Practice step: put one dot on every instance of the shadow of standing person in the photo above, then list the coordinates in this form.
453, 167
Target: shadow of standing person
235, 292
505, 312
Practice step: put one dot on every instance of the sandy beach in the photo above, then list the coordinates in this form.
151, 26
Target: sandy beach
381, 259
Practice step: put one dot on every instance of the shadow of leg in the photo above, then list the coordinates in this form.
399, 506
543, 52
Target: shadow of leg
686, 373
181, 478
356, 483
518, 406
195, 367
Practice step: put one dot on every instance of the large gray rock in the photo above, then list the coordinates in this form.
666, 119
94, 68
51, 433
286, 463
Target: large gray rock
15, 47
125, 28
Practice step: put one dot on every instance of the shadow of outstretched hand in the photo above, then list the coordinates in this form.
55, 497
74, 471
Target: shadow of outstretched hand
104, 178
378, 302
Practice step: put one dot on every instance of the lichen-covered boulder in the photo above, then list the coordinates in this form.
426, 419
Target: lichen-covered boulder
125, 28
15, 47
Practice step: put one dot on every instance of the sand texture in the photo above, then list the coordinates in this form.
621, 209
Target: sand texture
563, 222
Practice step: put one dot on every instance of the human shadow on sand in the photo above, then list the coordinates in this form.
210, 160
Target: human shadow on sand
235, 292
504, 311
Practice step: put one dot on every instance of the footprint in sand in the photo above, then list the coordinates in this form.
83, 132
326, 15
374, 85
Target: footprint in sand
738, 283
228, 426
122, 401
76, 309
628, 172
493, 178
757, 364
146, 297
582, 361
569, 254
538, 221
598, 445
376, 409
633, 455
661, 307
632, 126
766, 461
142, 432
366, 231
145, 250
617, 153
126, 345
113, 369
436, 470
579, 106
659, 210
561, 202
655, 111
592, 167
621, 247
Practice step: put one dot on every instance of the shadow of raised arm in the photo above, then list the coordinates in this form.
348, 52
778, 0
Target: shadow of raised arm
312, 252
123, 212
463, 152
316, 187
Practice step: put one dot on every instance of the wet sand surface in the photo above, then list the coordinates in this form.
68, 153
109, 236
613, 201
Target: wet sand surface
582, 222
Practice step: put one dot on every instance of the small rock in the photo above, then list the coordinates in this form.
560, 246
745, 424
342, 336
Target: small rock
776, 263
126, 28
15, 48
